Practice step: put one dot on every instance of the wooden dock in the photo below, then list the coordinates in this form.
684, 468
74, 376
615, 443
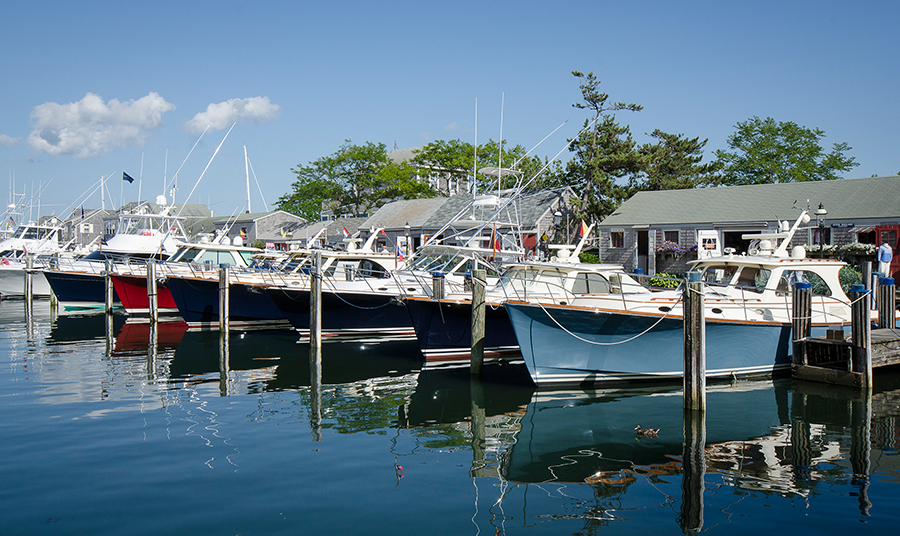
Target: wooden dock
829, 359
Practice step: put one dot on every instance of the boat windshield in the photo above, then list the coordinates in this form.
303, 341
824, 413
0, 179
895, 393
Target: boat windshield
753, 278
32, 233
789, 277
718, 274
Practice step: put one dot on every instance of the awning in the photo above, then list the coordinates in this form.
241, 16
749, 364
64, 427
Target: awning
862, 229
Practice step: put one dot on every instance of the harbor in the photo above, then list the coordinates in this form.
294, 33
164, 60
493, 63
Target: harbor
111, 424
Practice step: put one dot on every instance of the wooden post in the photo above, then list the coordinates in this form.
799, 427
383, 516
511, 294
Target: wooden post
861, 337
867, 274
860, 448
152, 293
29, 277
801, 318
478, 424
315, 303
887, 303
694, 344
110, 290
479, 281
224, 364
315, 392
224, 297
437, 285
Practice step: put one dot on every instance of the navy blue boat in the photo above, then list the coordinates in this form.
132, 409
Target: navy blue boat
197, 300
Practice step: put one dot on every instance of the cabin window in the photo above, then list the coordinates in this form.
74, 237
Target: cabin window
753, 278
671, 236
368, 268
590, 283
616, 239
549, 281
513, 282
789, 277
719, 275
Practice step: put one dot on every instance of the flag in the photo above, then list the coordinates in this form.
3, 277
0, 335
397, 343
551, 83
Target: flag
583, 230
382, 232
11, 223
243, 234
346, 233
127, 177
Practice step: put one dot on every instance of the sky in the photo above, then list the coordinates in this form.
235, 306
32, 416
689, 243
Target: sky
93, 89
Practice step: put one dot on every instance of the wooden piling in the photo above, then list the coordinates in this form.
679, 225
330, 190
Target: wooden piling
224, 298
152, 293
479, 282
694, 344
315, 303
801, 320
29, 277
861, 336
693, 483
887, 303
110, 290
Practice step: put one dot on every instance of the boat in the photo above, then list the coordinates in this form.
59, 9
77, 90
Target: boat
141, 234
638, 336
444, 326
202, 258
41, 241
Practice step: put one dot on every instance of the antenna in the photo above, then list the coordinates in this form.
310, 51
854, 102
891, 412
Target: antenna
500, 152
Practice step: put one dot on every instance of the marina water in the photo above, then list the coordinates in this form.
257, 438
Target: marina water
108, 428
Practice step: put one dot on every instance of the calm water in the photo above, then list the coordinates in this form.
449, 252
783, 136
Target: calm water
104, 432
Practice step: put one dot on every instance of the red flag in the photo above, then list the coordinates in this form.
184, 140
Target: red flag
583, 230
382, 232
346, 232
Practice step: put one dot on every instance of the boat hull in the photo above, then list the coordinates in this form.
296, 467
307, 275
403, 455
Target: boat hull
78, 290
12, 283
345, 313
568, 346
197, 301
444, 330
132, 291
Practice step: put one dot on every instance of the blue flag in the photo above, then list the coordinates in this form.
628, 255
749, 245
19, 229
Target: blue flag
127, 177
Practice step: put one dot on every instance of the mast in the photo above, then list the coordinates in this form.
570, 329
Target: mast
247, 171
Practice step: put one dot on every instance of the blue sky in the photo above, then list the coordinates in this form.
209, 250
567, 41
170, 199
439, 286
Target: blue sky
91, 87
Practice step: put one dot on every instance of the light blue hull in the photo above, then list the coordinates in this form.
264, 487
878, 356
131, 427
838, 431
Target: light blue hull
584, 347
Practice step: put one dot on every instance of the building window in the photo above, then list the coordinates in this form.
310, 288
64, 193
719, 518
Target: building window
815, 236
616, 239
671, 236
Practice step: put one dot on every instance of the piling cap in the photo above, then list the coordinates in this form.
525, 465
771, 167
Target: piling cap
693, 277
884, 281
437, 274
857, 287
467, 275
638, 271
803, 285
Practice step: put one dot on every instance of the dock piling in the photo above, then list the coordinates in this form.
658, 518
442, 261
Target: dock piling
110, 290
479, 281
694, 344
437, 285
315, 303
801, 319
861, 336
224, 297
153, 303
29, 277
886, 301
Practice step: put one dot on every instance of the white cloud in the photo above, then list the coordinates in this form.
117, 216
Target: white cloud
222, 115
91, 127
7, 141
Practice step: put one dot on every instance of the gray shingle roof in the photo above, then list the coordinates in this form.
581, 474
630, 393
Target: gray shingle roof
877, 197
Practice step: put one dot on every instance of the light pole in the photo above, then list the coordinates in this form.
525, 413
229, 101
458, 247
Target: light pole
821, 213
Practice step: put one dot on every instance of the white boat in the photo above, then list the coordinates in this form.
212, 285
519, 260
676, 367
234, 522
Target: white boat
39, 241
633, 335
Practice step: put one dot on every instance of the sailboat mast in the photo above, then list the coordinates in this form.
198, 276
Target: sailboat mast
247, 171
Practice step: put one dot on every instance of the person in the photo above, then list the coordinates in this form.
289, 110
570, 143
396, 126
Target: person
885, 254
384, 249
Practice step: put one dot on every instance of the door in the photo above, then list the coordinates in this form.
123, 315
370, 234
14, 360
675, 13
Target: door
643, 251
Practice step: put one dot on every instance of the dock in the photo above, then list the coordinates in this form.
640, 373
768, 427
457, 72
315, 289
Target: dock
829, 358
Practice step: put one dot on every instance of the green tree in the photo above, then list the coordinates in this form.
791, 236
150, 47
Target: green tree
673, 163
765, 151
602, 153
355, 180
456, 159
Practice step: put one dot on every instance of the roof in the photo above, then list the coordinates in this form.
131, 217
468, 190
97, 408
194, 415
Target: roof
399, 156
877, 197
396, 214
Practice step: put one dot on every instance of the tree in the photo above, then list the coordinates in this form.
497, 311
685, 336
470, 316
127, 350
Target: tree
604, 152
456, 159
766, 151
355, 180
673, 163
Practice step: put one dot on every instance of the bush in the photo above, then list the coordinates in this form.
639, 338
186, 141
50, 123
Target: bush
588, 258
664, 280
849, 276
